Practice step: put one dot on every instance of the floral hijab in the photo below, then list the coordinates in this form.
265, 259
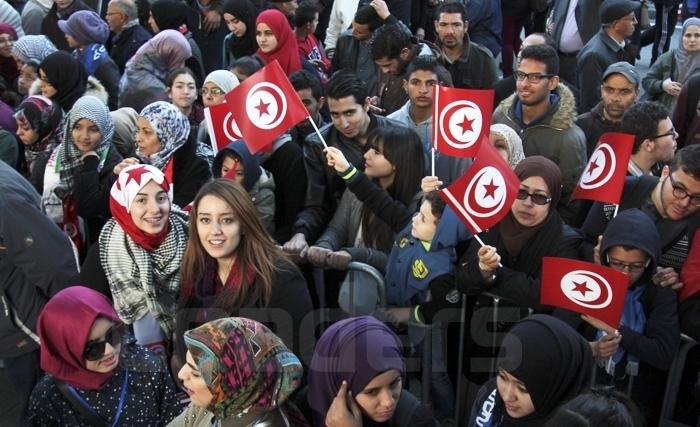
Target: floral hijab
172, 128
247, 368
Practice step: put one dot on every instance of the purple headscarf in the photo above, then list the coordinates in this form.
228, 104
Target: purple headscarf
355, 350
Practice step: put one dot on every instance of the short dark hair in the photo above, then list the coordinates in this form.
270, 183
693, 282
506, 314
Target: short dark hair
545, 54
303, 79
688, 160
176, 72
248, 64
451, 7
437, 205
430, 63
345, 83
599, 407
388, 42
366, 15
642, 120
305, 13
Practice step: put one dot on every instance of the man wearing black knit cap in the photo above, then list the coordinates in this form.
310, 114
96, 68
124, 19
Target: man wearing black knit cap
610, 45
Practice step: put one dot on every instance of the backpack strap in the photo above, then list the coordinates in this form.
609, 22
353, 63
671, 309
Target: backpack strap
87, 412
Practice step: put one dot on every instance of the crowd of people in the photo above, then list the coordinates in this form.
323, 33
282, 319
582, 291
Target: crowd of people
151, 278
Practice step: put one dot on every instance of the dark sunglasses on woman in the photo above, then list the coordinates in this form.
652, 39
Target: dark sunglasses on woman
538, 199
95, 349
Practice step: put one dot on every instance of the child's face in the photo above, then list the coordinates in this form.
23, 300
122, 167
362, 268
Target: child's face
424, 223
229, 164
632, 262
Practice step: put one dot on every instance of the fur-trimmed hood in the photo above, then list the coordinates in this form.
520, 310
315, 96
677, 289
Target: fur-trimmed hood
94, 88
562, 116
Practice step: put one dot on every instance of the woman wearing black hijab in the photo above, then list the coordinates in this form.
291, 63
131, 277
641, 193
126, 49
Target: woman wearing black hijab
510, 263
239, 16
542, 364
63, 79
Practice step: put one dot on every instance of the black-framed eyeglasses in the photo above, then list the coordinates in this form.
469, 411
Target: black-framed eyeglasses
632, 267
532, 77
671, 132
681, 193
538, 199
215, 91
94, 350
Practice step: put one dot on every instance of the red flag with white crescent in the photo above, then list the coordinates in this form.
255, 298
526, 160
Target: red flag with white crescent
486, 191
604, 176
584, 288
222, 126
264, 106
461, 120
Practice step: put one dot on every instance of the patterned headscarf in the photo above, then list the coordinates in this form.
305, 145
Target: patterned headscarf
247, 368
42, 115
515, 144
33, 48
91, 108
171, 127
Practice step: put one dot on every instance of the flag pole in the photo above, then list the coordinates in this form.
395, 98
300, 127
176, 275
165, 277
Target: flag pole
617, 206
481, 242
432, 161
318, 132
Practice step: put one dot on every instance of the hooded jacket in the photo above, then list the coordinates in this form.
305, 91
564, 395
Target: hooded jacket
554, 136
414, 264
257, 182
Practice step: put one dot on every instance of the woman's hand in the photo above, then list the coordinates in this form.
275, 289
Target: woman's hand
336, 159
318, 256
606, 346
296, 247
430, 183
124, 163
488, 259
344, 411
670, 87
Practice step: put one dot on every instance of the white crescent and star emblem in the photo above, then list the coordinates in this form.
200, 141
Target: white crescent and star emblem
460, 124
587, 289
266, 105
600, 168
231, 129
486, 193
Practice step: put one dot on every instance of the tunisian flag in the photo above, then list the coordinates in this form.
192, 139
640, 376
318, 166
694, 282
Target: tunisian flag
222, 127
486, 191
264, 106
585, 288
461, 119
604, 176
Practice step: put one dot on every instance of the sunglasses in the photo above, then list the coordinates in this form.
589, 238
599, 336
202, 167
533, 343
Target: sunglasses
94, 350
538, 199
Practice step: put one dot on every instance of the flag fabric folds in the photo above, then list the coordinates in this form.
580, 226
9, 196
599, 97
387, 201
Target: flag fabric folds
486, 191
585, 288
604, 176
461, 120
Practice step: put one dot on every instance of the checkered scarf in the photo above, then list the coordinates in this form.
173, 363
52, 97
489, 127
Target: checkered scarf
247, 368
144, 281
91, 108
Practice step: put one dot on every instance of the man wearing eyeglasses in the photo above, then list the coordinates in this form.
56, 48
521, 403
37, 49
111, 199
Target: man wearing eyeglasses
610, 45
542, 111
654, 137
126, 34
671, 201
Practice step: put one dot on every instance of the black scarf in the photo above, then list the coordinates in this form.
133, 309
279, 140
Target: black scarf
245, 11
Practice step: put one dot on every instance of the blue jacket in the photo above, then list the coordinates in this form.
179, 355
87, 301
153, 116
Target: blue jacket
411, 267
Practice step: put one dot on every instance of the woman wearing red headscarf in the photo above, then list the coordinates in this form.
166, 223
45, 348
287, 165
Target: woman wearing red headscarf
276, 40
97, 375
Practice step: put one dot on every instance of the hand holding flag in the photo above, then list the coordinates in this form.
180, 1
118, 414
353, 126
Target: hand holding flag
604, 176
